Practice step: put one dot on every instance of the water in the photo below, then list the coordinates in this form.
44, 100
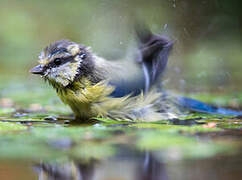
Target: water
129, 166
40, 147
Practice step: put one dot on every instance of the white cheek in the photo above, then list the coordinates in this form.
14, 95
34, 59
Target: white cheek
52, 73
63, 74
53, 70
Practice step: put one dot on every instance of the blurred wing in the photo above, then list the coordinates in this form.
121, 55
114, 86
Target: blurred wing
149, 63
153, 54
127, 79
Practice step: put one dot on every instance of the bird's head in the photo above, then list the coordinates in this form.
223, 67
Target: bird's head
62, 62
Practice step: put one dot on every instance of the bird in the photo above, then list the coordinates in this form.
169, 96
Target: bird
127, 89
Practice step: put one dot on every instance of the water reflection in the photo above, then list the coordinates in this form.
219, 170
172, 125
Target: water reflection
66, 171
151, 169
143, 167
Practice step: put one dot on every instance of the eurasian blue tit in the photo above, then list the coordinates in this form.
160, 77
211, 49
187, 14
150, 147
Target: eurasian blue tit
122, 90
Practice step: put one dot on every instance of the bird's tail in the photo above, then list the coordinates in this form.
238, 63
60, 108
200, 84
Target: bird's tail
198, 106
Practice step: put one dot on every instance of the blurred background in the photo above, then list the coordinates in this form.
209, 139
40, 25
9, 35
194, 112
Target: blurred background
207, 55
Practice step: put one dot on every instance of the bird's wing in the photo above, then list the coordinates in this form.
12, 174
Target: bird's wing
153, 52
150, 61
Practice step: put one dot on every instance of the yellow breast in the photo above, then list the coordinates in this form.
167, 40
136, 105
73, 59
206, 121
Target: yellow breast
87, 100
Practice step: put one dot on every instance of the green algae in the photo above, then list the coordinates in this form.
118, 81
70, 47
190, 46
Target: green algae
11, 127
99, 142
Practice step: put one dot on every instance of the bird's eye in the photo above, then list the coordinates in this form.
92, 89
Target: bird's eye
83, 55
57, 61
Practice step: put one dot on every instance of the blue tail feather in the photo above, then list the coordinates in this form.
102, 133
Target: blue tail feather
199, 106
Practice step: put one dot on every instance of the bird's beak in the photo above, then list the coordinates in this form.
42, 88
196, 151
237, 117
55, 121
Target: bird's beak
37, 70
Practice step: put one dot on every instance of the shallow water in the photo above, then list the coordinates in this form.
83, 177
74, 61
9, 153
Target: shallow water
36, 148
40, 140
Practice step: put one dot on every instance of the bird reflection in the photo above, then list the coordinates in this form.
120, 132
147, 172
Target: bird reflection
144, 167
151, 169
66, 171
